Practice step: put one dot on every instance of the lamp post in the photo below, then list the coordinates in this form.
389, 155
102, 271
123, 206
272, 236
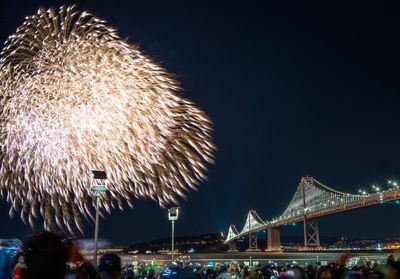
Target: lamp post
173, 214
99, 185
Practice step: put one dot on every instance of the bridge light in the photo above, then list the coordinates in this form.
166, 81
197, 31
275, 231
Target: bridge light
376, 188
363, 192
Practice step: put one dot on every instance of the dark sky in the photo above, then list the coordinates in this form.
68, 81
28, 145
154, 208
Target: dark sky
292, 88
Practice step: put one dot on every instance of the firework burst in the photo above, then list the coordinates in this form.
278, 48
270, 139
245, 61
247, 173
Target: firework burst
74, 97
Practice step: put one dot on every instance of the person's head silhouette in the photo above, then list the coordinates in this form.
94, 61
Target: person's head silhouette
45, 256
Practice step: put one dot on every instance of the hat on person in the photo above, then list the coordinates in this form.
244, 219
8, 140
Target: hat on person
110, 263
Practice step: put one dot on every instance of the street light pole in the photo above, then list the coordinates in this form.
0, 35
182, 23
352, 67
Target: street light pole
96, 230
99, 184
173, 214
173, 240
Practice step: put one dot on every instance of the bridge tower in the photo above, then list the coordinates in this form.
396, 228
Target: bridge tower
274, 239
311, 232
253, 244
232, 246
232, 234
253, 224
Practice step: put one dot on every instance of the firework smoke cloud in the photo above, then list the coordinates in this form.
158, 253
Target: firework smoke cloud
75, 97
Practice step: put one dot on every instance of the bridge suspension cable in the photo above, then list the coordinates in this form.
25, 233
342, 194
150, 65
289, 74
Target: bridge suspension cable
311, 195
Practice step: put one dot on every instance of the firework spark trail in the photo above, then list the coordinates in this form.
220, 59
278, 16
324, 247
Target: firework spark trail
75, 97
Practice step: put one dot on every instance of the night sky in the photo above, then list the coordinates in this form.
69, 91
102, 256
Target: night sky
293, 89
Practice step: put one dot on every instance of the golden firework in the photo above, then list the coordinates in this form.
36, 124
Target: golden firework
76, 97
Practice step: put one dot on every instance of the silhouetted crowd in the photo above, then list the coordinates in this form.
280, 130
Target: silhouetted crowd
47, 255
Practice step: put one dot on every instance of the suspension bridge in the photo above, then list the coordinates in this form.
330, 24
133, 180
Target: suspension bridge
311, 200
